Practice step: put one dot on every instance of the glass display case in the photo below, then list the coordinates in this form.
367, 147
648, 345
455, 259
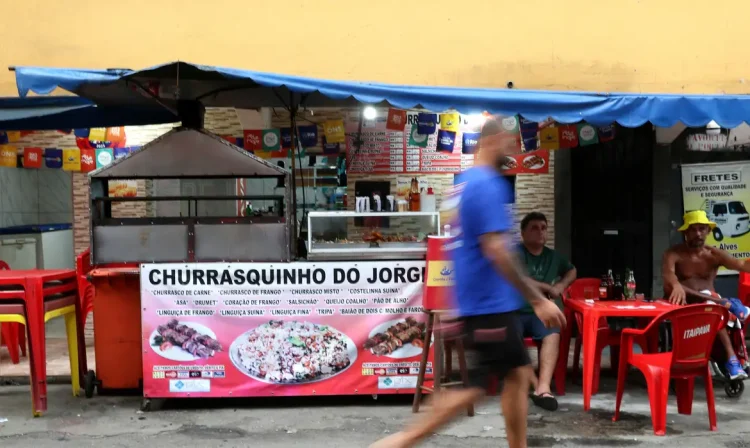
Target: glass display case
349, 235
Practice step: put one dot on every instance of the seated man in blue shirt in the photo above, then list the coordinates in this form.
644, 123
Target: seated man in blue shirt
490, 287
551, 273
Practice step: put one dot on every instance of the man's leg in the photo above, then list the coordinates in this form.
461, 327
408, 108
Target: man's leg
548, 352
515, 405
733, 366
444, 407
547, 362
726, 342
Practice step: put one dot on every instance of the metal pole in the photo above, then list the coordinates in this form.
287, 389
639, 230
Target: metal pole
293, 205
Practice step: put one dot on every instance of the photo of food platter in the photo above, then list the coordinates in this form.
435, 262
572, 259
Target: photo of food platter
292, 352
509, 164
184, 341
398, 338
533, 162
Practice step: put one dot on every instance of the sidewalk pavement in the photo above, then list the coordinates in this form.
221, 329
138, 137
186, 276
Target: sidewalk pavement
355, 422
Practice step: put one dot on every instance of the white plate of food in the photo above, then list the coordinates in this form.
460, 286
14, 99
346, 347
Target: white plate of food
398, 338
509, 164
184, 341
292, 352
533, 162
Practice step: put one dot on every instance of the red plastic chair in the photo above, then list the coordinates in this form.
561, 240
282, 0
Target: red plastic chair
744, 288
13, 335
694, 329
85, 288
606, 337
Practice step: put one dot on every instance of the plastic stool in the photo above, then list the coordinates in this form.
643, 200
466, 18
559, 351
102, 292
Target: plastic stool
445, 333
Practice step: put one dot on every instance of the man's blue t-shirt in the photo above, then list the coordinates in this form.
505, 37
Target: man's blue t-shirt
480, 289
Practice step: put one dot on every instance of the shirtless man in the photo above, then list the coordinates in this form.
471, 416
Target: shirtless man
689, 270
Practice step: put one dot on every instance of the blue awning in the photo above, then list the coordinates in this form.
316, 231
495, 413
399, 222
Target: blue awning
218, 86
67, 112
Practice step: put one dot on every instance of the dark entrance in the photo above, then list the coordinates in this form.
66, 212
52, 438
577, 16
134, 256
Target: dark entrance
611, 205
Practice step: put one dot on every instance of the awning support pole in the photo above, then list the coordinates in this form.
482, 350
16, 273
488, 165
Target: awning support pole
293, 124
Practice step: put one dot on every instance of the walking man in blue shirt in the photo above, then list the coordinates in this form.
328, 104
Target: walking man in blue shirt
491, 287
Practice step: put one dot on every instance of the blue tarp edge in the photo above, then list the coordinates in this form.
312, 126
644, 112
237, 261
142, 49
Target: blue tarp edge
627, 109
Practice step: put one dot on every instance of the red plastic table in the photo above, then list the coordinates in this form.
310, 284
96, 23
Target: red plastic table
33, 281
592, 310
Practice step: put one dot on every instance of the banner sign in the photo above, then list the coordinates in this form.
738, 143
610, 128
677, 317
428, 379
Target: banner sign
535, 162
721, 190
292, 329
706, 142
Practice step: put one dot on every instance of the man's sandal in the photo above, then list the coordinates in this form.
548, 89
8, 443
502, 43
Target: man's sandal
545, 401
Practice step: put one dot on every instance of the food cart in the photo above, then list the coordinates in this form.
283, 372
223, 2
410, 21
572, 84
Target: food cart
194, 232
196, 306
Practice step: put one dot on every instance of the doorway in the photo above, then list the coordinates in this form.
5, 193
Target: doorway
611, 206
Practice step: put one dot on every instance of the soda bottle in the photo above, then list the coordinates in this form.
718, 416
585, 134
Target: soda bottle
618, 289
630, 285
603, 288
610, 285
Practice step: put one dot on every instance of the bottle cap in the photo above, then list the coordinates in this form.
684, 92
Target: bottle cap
429, 190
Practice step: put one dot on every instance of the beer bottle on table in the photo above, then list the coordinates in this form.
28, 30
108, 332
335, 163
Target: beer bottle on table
603, 288
610, 285
618, 289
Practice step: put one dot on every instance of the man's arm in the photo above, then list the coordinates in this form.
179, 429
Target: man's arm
567, 274
498, 248
483, 214
543, 287
677, 292
566, 280
729, 262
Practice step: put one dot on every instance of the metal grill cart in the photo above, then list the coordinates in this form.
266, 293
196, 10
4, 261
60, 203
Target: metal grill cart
199, 229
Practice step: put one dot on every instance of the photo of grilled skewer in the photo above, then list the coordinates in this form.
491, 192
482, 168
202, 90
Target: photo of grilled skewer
399, 338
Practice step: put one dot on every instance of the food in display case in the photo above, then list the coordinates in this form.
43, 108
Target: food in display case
288, 352
376, 237
385, 235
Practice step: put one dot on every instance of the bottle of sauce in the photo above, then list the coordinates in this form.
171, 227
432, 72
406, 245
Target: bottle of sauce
415, 203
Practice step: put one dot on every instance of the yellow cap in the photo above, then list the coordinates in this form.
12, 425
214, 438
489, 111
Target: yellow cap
695, 217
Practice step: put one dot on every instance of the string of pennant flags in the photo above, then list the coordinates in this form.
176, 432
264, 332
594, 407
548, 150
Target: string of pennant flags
547, 135
534, 135
67, 159
97, 147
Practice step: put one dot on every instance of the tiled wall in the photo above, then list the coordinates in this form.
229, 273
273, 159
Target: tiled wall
30, 197
536, 193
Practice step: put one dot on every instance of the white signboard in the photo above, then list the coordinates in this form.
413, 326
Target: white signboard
721, 190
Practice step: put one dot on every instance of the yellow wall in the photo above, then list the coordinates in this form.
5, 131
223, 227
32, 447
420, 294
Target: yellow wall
645, 45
